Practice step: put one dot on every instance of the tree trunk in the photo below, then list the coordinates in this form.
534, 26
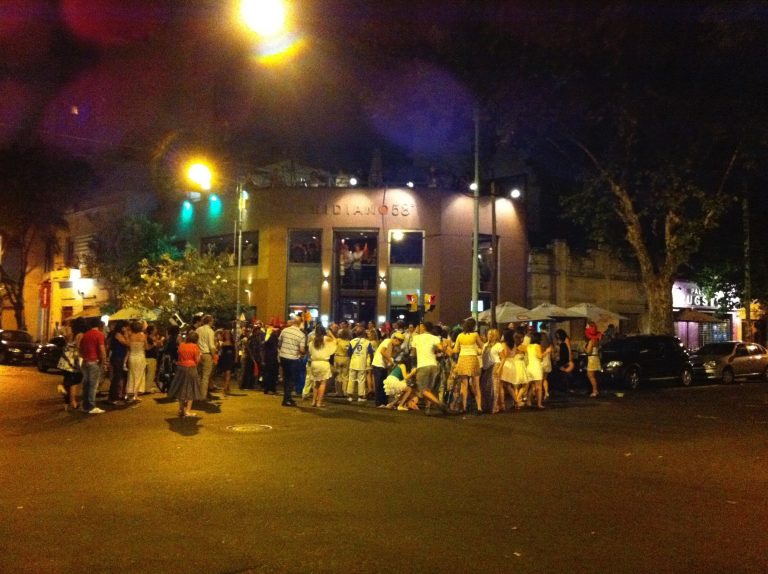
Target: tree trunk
659, 293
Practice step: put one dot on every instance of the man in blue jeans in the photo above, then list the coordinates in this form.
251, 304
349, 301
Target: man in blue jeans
93, 352
291, 345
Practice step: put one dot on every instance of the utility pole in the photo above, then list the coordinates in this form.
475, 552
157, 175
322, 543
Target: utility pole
747, 268
494, 258
476, 234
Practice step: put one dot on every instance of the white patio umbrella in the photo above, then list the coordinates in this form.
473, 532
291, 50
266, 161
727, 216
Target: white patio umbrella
547, 312
506, 312
602, 317
133, 314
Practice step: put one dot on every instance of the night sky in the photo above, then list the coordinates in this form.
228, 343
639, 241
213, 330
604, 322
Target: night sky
147, 77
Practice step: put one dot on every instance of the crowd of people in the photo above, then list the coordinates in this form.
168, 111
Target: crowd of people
400, 367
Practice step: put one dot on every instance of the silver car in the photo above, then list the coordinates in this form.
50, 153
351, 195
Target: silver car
731, 360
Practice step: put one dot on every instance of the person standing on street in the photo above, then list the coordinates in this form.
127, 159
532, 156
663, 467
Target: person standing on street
93, 352
207, 343
382, 362
137, 362
291, 346
118, 351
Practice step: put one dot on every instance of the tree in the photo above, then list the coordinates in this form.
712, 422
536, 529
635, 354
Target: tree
650, 131
36, 184
192, 283
120, 244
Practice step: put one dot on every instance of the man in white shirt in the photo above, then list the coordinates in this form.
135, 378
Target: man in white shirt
207, 344
292, 345
426, 345
383, 360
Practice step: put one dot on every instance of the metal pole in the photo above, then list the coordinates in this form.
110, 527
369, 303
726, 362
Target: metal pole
476, 234
239, 227
746, 334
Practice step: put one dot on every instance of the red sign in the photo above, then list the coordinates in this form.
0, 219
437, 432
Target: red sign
45, 295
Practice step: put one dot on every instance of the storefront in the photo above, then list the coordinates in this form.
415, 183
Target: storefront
696, 323
357, 254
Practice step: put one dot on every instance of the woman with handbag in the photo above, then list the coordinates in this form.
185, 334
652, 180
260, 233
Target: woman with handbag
69, 364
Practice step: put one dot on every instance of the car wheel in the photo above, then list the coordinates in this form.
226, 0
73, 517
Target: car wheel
687, 378
632, 378
728, 377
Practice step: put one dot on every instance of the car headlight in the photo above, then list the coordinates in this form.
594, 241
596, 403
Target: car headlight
710, 364
14, 349
613, 364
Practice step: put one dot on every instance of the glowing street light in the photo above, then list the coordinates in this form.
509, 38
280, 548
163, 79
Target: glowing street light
200, 174
265, 17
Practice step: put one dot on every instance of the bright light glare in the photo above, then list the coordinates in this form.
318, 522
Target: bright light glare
515, 193
265, 17
397, 235
410, 184
473, 186
353, 181
187, 205
200, 174
214, 197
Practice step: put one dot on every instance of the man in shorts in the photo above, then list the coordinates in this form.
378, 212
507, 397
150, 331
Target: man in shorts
426, 345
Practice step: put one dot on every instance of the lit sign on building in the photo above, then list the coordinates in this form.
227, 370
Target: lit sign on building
395, 209
686, 294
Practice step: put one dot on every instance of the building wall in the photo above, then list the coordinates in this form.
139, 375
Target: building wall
446, 220
558, 276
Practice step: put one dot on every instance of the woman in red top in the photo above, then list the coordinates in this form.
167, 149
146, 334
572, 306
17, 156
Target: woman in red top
186, 386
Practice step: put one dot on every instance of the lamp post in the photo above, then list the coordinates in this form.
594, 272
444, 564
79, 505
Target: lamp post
476, 233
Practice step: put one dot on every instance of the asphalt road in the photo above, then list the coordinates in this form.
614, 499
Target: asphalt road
668, 480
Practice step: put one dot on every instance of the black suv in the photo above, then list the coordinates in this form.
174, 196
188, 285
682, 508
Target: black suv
639, 358
16, 346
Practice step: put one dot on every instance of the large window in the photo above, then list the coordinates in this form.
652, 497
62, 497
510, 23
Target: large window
304, 246
221, 244
304, 276
406, 247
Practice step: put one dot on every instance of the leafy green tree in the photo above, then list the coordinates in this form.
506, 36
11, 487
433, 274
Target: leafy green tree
36, 185
120, 244
192, 283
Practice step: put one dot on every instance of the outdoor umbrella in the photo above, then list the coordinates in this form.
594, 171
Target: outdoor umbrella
602, 317
87, 313
547, 312
695, 316
133, 314
506, 312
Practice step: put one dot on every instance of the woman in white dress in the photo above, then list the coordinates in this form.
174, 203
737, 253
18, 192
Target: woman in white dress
535, 366
136, 361
321, 348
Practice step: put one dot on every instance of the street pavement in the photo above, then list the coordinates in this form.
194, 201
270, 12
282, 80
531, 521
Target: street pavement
663, 480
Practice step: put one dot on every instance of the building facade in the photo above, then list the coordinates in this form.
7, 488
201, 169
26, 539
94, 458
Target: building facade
356, 254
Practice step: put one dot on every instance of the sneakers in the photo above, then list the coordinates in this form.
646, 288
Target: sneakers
361, 400
349, 399
402, 408
96, 411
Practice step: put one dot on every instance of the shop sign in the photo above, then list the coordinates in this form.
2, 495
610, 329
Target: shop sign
686, 294
358, 209
45, 295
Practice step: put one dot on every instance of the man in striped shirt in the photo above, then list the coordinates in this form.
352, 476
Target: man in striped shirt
291, 345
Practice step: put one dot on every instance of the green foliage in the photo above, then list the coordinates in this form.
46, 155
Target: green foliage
120, 243
198, 281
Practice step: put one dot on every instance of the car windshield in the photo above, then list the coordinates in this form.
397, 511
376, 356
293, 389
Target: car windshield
16, 336
716, 349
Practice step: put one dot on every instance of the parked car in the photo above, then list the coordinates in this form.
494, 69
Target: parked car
646, 358
731, 360
16, 347
47, 356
